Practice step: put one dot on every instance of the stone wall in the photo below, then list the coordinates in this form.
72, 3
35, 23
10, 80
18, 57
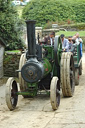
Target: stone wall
11, 64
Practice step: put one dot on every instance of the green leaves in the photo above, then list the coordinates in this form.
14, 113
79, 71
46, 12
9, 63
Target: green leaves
54, 10
9, 22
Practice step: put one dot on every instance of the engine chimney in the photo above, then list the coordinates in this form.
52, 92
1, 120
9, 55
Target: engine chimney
31, 38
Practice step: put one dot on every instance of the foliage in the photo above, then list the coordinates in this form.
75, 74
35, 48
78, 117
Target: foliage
10, 25
44, 11
48, 25
79, 12
19, 9
14, 51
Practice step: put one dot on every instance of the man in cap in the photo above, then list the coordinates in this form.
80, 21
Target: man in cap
65, 43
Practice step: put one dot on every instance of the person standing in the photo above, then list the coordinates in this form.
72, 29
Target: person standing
65, 43
49, 40
79, 41
70, 42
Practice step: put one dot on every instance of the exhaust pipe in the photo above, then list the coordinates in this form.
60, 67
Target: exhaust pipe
31, 38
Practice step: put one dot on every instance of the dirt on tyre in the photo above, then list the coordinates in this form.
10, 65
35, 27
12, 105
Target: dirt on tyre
55, 93
67, 74
11, 93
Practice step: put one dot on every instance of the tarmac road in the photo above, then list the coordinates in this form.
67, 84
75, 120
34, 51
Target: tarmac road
37, 112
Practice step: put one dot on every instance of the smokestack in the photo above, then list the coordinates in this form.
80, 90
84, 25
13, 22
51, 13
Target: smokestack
31, 38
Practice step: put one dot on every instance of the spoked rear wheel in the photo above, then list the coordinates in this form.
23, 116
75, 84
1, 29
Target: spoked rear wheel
55, 93
67, 74
21, 80
11, 93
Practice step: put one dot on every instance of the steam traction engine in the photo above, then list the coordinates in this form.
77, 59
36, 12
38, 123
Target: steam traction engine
42, 67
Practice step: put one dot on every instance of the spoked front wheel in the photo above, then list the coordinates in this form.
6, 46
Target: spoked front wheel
55, 93
11, 93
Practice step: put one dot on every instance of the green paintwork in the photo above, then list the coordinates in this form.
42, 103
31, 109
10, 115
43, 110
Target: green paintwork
77, 58
49, 66
31, 91
33, 88
50, 51
59, 51
50, 56
26, 93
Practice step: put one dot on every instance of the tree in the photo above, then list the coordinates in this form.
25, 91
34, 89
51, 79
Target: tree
9, 25
54, 10
43, 11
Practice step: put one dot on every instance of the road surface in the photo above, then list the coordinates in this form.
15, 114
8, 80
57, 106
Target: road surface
37, 112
